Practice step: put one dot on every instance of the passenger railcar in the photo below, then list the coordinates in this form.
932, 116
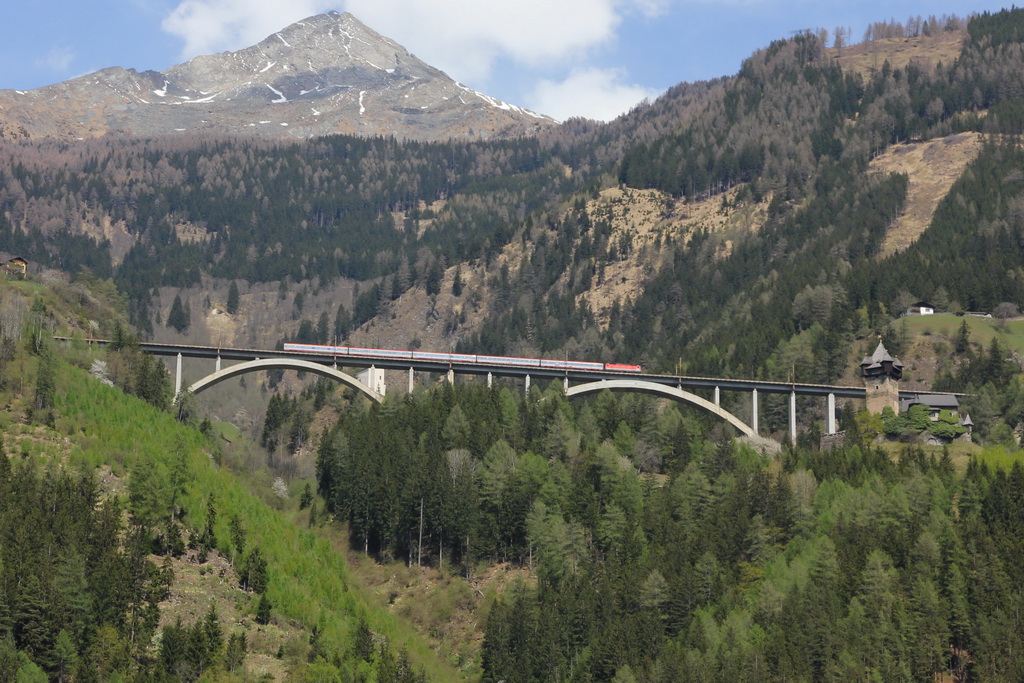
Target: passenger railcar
460, 358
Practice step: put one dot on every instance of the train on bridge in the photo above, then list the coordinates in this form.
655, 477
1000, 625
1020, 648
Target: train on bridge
391, 354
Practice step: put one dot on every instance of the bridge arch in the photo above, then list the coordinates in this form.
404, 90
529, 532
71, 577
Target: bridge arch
663, 390
283, 364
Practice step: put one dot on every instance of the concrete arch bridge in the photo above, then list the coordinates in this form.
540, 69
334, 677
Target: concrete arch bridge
370, 368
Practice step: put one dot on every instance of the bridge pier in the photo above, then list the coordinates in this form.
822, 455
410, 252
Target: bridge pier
527, 391
177, 377
451, 376
830, 414
718, 396
216, 365
411, 379
374, 379
490, 379
792, 417
565, 383
753, 411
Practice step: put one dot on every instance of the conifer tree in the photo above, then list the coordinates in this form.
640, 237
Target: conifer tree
173, 646
65, 656
234, 654
232, 304
263, 610
364, 640
178, 318
9, 659
457, 282
33, 626
45, 382
254, 573
963, 338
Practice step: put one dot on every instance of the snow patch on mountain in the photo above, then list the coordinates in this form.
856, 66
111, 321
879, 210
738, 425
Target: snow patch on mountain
280, 95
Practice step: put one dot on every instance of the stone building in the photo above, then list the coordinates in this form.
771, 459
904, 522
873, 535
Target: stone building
881, 373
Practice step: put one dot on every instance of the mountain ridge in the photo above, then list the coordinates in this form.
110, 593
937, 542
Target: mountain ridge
326, 74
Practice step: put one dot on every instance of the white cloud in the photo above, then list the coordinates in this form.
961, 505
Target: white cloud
58, 59
209, 26
592, 93
465, 37
652, 8
462, 37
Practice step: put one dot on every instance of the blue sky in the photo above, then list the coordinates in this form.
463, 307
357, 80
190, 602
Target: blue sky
593, 58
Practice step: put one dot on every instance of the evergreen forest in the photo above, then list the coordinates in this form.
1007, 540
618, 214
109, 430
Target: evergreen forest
664, 551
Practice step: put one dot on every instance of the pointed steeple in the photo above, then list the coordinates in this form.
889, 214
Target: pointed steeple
880, 364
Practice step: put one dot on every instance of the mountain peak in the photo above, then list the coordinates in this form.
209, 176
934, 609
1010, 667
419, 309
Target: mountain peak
323, 55
328, 73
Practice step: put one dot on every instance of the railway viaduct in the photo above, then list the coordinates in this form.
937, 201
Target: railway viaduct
369, 379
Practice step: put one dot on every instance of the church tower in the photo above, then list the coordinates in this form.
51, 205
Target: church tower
881, 373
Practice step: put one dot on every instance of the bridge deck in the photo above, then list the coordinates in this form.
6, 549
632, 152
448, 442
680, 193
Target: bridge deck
499, 370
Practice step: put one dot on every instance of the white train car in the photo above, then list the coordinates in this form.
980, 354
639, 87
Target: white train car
439, 357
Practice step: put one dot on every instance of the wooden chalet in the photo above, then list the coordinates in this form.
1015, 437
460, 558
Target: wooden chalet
14, 266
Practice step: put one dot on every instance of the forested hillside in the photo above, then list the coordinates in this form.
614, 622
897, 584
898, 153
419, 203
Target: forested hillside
658, 548
791, 131
664, 552
112, 512
788, 299
262, 212
638, 539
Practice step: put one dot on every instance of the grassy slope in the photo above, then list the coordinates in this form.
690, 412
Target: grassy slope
983, 330
309, 579
868, 57
932, 167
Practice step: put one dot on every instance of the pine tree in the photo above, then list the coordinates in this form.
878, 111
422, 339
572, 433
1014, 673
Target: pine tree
237, 536
208, 538
9, 659
173, 646
963, 338
33, 627
322, 329
232, 305
342, 322
263, 609
234, 654
457, 282
177, 318
387, 667
65, 656
364, 641
435, 274
45, 382
147, 497
213, 632
254, 573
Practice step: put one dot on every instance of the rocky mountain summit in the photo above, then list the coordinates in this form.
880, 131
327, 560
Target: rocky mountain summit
325, 74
